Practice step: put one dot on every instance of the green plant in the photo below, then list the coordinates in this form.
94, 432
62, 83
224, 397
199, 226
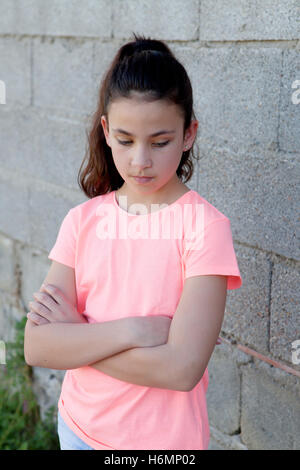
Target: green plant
21, 427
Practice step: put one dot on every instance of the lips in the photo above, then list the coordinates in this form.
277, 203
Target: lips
143, 179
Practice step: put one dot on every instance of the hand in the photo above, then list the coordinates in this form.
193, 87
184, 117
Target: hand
51, 306
152, 330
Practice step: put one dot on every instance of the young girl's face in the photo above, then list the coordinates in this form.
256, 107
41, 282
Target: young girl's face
137, 151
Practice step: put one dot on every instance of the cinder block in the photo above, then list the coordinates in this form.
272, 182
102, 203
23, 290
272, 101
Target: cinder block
214, 445
247, 311
285, 309
35, 213
47, 212
8, 281
47, 387
270, 417
15, 70
47, 148
9, 314
258, 191
221, 441
162, 19
14, 211
236, 93
289, 135
104, 53
34, 266
188, 54
56, 18
227, 20
62, 74
223, 393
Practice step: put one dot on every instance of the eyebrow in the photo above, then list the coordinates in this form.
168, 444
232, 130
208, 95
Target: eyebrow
164, 131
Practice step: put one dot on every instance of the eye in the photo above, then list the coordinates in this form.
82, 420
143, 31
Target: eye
127, 142
162, 144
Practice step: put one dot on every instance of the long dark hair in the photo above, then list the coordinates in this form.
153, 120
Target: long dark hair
147, 66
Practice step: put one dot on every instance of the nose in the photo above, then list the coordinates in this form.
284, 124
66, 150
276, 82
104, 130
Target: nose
140, 160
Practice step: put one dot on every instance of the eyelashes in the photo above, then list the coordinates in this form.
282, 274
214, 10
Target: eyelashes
128, 142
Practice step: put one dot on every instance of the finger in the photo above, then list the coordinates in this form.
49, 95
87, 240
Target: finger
45, 299
40, 309
54, 292
31, 317
37, 319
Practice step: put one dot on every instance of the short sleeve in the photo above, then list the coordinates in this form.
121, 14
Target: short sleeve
64, 249
212, 252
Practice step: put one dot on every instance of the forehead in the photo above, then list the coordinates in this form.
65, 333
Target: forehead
126, 112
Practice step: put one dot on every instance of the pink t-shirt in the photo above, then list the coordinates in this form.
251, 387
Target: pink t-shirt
130, 265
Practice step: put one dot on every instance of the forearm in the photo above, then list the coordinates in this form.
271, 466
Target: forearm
156, 366
73, 345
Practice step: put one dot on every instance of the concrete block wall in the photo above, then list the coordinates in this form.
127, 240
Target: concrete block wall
243, 58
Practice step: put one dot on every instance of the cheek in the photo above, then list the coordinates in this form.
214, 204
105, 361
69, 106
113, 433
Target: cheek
169, 161
119, 157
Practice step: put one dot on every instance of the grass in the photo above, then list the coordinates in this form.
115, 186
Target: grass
21, 427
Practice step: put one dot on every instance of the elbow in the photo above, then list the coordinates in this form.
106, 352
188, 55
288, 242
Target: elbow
188, 382
34, 361
181, 374
183, 387
190, 387
29, 342
28, 360
184, 384
193, 382
28, 356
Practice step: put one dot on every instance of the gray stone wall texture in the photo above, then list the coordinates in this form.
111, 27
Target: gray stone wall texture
243, 58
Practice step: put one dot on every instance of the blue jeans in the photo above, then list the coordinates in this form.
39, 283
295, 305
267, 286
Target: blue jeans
67, 438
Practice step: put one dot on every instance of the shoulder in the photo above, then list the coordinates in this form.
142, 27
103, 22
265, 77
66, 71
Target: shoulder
203, 208
83, 214
84, 209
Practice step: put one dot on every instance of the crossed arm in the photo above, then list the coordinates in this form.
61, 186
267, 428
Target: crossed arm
179, 363
157, 366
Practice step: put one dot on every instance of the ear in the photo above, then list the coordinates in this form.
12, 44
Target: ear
191, 133
104, 124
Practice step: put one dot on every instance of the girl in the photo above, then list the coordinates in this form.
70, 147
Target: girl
140, 271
